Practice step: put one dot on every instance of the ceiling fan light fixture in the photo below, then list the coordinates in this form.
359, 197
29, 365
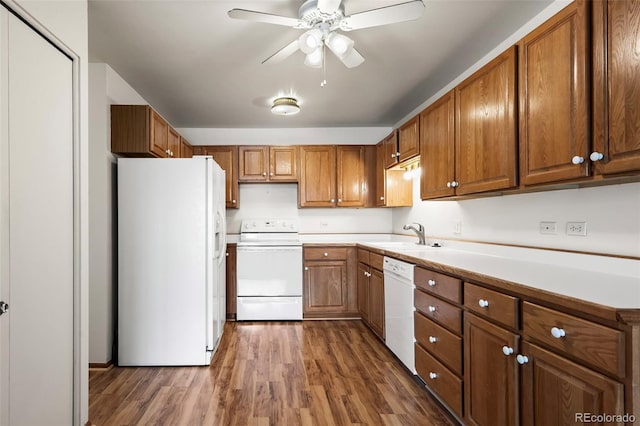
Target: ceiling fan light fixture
285, 106
339, 44
314, 59
310, 41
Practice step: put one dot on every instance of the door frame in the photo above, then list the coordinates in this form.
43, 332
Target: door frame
80, 235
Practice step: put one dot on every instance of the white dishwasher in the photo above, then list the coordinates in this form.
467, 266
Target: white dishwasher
398, 310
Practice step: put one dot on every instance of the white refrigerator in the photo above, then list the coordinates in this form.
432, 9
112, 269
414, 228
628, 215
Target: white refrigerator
171, 260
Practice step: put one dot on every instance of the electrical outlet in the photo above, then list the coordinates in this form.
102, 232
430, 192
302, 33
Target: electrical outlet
548, 228
577, 228
457, 228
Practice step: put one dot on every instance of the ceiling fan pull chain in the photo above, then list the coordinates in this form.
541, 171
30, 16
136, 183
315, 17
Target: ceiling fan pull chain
324, 66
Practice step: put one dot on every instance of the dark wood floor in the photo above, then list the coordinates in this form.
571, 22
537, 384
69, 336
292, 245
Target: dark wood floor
299, 373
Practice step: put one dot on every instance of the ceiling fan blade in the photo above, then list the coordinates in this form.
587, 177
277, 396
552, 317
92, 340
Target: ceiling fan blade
352, 59
401, 12
252, 15
329, 6
283, 53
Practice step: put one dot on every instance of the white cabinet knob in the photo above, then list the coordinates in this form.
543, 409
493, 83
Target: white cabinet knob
264, 173
432, 308
483, 303
454, 184
306, 268
433, 375
326, 254
558, 332
507, 350
166, 151
432, 283
448, 184
381, 198
393, 156
271, 174
522, 360
596, 156
333, 200
233, 201
339, 200
432, 339
172, 153
397, 154
577, 160
227, 254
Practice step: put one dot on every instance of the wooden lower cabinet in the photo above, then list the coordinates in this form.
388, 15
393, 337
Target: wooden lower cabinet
370, 282
490, 373
363, 291
376, 302
555, 390
329, 288
231, 284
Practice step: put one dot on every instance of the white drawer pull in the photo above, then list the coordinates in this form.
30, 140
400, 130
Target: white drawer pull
483, 303
507, 350
326, 254
522, 360
558, 332
431, 283
433, 375
432, 339
432, 308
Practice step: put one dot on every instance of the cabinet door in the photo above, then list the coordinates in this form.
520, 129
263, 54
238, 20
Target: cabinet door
317, 187
231, 283
391, 150
376, 302
283, 163
159, 140
173, 143
227, 159
616, 96
351, 176
490, 376
437, 145
325, 287
555, 390
381, 176
485, 139
554, 98
252, 163
408, 139
363, 291
186, 150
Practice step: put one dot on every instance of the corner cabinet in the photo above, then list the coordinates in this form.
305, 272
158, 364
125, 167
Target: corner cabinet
555, 104
616, 93
227, 158
139, 131
409, 140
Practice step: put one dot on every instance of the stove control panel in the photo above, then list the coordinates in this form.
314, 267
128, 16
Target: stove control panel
269, 225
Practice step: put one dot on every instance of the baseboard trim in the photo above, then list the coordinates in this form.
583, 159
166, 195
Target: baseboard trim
100, 365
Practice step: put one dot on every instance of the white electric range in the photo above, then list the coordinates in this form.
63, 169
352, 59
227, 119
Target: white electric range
269, 270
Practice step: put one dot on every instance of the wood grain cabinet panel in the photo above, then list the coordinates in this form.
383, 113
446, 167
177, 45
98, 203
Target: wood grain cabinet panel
139, 131
440, 284
173, 143
486, 128
159, 144
497, 306
283, 163
325, 287
317, 187
409, 139
267, 163
438, 310
231, 283
439, 379
616, 91
376, 302
363, 291
392, 190
227, 158
554, 390
491, 378
371, 291
437, 148
352, 188
440, 342
186, 150
554, 97
390, 144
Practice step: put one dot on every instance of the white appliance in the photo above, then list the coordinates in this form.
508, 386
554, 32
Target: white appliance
269, 270
399, 309
171, 260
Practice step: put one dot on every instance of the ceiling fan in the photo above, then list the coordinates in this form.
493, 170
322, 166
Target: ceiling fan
322, 19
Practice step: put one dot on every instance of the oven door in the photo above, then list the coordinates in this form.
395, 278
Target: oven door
269, 270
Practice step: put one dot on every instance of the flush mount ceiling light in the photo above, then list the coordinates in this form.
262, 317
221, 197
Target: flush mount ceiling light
285, 106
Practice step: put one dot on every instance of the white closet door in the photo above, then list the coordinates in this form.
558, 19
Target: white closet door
36, 168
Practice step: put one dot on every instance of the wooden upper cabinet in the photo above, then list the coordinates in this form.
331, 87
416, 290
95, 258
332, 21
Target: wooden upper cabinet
437, 148
616, 92
317, 187
351, 176
138, 131
392, 190
186, 150
391, 150
159, 142
408, 139
268, 163
486, 130
174, 143
227, 159
554, 98
381, 176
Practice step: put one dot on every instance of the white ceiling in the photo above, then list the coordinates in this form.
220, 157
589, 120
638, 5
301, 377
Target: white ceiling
200, 68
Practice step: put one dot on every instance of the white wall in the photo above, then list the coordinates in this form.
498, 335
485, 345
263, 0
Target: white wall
106, 87
67, 21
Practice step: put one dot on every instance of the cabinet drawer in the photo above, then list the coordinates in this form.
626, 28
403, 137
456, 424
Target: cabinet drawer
437, 309
440, 380
497, 306
440, 284
376, 261
443, 344
325, 253
363, 256
585, 340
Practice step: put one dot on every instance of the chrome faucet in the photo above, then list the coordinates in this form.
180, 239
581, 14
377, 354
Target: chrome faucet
418, 229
